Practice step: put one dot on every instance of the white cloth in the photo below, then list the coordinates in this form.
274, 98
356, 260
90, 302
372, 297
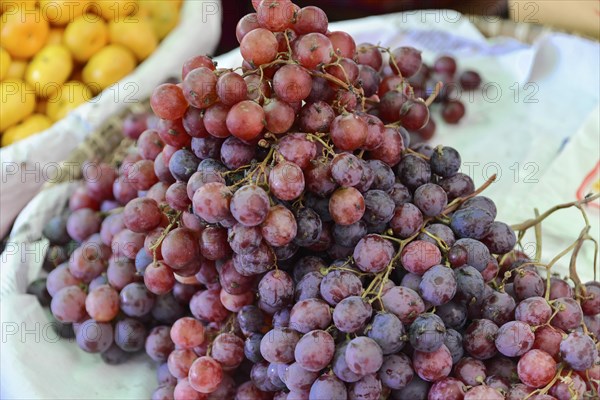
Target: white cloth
565, 70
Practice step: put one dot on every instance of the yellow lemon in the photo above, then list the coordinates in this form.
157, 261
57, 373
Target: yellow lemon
23, 32
16, 69
85, 36
115, 10
137, 37
55, 36
71, 95
49, 69
162, 15
4, 63
31, 125
108, 66
17, 101
61, 12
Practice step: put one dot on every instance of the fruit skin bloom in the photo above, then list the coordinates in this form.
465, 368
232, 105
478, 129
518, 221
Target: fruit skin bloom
205, 374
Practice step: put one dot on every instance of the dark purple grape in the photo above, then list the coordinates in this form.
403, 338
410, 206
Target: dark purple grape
453, 111
167, 309
136, 300
388, 331
276, 289
470, 283
568, 315
349, 235
470, 80
445, 161
183, 164
528, 283
379, 207
454, 314
337, 285
309, 227
471, 222
309, 286
383, 175
416, 389
431, 199
469, 252
400, 194
427, 333
457, 185
499, 308
413, 171
252, 348
94, 337
453, 341
406, 221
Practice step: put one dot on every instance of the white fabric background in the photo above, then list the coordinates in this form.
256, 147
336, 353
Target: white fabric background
565, 70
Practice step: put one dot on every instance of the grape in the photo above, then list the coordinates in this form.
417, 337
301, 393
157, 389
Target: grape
136, 300
102, 303
310, 19
483, 392
276, 289
407, 61
179, 248
315, 350
427, 333
232, 281
279, 227
568, 386
431, 199
578, 351
391, 148
310, 314
328, 387
205, 374
438, 285
478, 339
536, 368
514, 338
363, 356
396, 371
414, 114
469, 252
228, 350
286, 181
94, 337
351, 314
447, 389
348, 132
278, 345
453, 341
308, 287
373, 253
245, 120
83, 223
298, 378
470, 80
445, 65
406, 221
292, 83
591, 304
527, 284
457, 185
313, 49
346, 206
500, 238
533, 311
418, 256
159, 278
499, 308
405, 303
55, 230
141, 215
255, 262
388, 331
343, 44
417, 389
337, 285
68, 304
453, 111
60, 278
470, 283
252, 347
346, 169
349, 235
196, 62
316, 117
279, 116
548, 339
433, 366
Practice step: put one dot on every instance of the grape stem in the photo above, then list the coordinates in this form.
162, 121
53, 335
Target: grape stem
532, 222
436, 92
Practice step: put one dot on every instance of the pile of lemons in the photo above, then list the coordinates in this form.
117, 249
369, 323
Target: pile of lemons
57, 54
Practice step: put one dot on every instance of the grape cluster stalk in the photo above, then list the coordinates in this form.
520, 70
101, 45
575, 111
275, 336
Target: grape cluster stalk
273, 235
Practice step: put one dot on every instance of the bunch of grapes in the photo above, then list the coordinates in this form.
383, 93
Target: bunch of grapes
455, 86
272, 236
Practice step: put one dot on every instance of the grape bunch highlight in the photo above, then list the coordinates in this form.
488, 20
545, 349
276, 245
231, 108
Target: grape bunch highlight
273, 235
